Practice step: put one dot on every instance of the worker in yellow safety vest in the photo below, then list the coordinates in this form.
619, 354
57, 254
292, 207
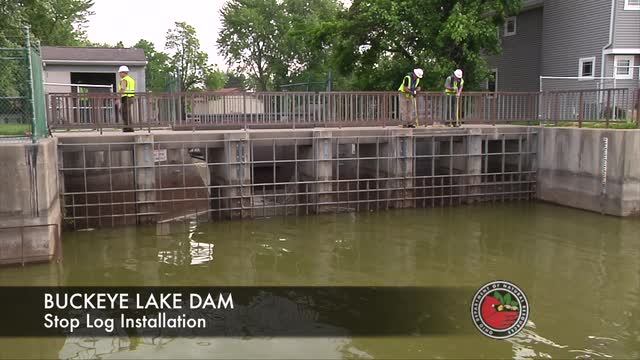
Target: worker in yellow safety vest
126, 90
409, 89
453, 86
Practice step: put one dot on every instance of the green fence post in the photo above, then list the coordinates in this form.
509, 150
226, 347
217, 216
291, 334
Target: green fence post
30, 97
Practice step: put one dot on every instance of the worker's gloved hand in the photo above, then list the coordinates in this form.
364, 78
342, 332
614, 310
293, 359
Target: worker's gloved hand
497, 319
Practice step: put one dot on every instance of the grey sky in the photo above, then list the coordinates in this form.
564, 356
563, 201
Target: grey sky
152, 19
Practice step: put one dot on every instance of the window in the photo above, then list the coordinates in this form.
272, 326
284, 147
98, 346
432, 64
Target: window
623, 67
632, 4
587, 67
492, 81
510, 26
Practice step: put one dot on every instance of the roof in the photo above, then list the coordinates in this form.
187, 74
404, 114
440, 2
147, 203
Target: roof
228, 90
93, 55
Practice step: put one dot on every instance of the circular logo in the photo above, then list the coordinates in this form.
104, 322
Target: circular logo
500, 309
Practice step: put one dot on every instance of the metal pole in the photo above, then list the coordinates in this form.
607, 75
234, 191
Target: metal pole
31, 88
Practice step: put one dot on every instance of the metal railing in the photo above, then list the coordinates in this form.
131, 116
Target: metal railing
210, 110
583, 106
11, 233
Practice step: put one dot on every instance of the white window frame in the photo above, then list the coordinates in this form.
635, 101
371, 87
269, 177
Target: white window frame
593, 67
628, 6
629, 76
515, 26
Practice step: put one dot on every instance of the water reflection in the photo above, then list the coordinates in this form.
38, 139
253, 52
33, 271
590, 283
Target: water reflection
580, 271
210, 348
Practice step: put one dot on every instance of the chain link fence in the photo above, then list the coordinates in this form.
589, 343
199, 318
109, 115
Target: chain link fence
22, 99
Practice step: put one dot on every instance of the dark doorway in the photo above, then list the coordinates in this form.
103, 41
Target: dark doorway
94, 79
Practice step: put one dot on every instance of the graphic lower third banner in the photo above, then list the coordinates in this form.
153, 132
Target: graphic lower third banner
234, 311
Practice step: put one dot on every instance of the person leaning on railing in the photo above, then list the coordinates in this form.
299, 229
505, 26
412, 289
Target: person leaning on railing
453, 88
126, 89
409, 88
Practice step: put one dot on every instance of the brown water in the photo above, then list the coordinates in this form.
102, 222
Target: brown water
580, 271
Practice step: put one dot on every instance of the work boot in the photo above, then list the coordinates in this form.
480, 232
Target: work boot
127, 130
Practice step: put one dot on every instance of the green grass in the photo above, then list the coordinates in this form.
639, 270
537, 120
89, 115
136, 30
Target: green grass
595, 125
15, 129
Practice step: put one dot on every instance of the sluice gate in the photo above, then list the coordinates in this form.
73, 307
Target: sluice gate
125, 179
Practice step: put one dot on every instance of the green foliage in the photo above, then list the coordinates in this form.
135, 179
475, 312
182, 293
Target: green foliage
53, 22
253, 39
188, 61
368, 46
157, 71
236, 80
215, 80
308, 54
380, 40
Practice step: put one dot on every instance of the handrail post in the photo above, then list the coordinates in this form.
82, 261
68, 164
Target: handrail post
608, 109
580, 110
495, 110
556, 110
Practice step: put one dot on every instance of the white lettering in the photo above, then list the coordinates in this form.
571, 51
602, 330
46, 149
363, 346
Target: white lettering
166, 301
53, 321
106, 324
48, 301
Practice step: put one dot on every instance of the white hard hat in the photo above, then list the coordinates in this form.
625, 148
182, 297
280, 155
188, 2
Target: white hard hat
458, 73
123, 68
418, 73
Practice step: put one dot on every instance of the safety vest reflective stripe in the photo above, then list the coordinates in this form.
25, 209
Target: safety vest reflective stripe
131, 86
455, 86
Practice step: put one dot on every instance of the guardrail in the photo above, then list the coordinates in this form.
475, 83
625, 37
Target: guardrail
211, 110
12, 231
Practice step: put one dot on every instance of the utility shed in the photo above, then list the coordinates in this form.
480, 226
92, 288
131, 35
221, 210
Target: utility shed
92, 66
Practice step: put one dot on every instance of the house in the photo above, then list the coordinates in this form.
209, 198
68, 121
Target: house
228, 101
569, 44
92, 66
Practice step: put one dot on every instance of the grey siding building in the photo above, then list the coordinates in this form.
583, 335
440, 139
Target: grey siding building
569, 44
92, 66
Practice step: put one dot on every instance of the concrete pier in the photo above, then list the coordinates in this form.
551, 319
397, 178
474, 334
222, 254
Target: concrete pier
318, 167
398, 154
30, 215
231, 174
474, 166
145, 176
576, 169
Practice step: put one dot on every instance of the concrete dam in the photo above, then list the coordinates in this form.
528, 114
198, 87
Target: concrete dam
81, 180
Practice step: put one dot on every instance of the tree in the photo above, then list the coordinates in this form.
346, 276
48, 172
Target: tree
310, 54
157, 71
378, 41
215, 80
275, 41
252, 39
236, 80
53, 22
187, 60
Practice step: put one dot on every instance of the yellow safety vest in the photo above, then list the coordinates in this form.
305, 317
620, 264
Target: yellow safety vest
455, 87
407, 80
131, 86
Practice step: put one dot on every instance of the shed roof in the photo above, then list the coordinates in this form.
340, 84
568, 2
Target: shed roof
93, 55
